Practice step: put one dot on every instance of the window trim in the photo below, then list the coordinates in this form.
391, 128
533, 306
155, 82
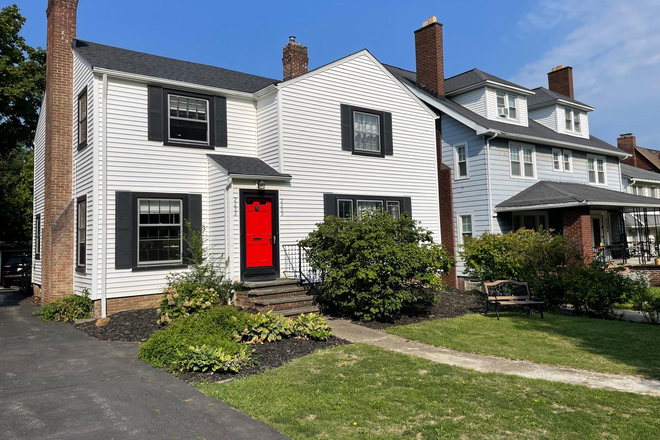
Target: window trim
562, 160
507, 117
37, 244
457, 175
522, 161
572, 112
536, 215
392, 202
82, 144
459, 223
352, 207
181, 240
81, 267
169, 138
331, 202
595, 157
381, 128
166, 120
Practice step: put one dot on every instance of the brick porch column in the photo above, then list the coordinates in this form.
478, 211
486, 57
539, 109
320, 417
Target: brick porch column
446, 204
577, 230
57, 249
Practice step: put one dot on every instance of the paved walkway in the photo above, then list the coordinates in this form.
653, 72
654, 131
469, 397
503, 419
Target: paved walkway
58, 383
490, 364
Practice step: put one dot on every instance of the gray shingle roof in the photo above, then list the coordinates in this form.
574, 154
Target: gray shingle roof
472, 78
124, 60
547, 193
638, 173
543, 96
246, 166
533, 129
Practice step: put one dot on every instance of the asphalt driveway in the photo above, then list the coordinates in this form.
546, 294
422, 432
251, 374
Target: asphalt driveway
59, 383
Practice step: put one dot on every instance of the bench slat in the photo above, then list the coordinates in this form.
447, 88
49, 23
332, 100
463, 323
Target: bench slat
517, 302
520, 297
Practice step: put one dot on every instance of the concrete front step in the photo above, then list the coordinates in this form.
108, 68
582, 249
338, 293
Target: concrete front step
275, 291
284, 303
249, 285
297, 311
283, 300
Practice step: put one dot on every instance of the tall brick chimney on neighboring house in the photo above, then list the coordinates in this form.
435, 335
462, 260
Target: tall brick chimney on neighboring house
627, 142
294, 59
57, 249
429, 56
560, 80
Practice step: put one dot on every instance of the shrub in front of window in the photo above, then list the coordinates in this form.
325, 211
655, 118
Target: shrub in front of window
374, 265
203, 285
68, 308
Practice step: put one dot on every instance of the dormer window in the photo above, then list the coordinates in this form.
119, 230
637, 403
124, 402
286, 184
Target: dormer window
507, 105
572, 120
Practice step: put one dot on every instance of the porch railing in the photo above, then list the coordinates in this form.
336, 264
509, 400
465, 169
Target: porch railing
297, 266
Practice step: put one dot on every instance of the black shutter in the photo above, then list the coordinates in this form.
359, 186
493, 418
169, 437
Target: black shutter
387, 128
220, 121
156, 129
346, 128
195, 211
123, 230
329, 205
407, 206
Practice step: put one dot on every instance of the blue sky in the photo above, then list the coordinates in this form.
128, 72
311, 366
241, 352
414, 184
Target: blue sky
613, 46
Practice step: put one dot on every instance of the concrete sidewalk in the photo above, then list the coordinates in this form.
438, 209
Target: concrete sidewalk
491, 364
59, 383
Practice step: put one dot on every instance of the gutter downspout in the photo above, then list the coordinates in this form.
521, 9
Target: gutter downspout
104, 196
490, 199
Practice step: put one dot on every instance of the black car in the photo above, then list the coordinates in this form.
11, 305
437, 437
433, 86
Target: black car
15, 269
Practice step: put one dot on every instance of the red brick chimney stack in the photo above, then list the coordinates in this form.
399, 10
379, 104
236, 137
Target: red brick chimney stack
294, 59
429, 56
627, 142
57, 248
560, 80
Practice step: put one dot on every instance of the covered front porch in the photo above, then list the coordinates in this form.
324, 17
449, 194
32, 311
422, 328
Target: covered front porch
595, 219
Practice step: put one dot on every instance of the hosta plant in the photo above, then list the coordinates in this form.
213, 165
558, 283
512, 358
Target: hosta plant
207, 359
267, 327
312, 326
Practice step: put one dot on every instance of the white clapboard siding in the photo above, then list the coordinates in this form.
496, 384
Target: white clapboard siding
39, 179
474, 100
83, 170
267, 131
545, 116
217, 225
139, 165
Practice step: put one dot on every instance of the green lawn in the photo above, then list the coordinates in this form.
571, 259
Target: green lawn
363, 392
591, 344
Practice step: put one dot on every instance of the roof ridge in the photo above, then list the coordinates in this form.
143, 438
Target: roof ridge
462, 73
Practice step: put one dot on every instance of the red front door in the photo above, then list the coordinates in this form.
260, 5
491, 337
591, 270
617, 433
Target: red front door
258, 232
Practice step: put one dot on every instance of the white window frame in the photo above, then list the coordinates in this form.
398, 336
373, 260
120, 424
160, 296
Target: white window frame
507, 95
595, 159
558, 163
352, 207
522, 161
458, 175
380, 134
569, 161
181, 222
382, 204
565, 156
170, 117
570, 115
459, 222
389, 203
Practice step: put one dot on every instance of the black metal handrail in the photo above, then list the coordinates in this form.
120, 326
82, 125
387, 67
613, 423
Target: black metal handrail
297, 265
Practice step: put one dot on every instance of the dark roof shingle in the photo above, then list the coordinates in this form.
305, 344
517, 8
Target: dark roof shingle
543, 96
245, 166
638, 173
124, 60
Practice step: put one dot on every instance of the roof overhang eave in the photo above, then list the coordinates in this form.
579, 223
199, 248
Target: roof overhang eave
576, 204
556, 143
280, 178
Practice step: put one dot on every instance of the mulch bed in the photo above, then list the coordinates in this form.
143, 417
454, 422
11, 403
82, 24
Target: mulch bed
451, 304
129, 326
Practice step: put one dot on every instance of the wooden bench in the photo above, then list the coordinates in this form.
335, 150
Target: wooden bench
510, 293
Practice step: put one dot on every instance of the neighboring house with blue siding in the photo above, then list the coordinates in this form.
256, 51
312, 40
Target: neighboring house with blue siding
520, 157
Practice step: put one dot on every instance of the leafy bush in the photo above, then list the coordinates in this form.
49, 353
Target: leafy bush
68, 308
269, 327
214, 328
647, 300
595, 288
374, 265
203, 285
208, 359
311, 326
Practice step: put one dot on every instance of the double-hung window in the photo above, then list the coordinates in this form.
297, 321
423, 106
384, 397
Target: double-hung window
466, 227
345, 209
597, 170
81, 233
366, 132
522, 158
461, 161
562, 160
394, 208
572, 120
507, 105
82, 119
188, 119
160, 231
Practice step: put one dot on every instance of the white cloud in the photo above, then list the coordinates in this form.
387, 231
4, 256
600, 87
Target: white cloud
614, 49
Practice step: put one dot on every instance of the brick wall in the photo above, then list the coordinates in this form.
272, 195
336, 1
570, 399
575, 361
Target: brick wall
446, 202
116, 305
57, 248
560, 80
576, 224
429, 57
627, 143
652, 272
294, 59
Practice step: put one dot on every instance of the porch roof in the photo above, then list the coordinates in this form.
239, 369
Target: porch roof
247, 167
550, 195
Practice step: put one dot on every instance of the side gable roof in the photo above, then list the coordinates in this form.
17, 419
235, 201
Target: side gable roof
124, 60
638, 173
543, 96
652, 156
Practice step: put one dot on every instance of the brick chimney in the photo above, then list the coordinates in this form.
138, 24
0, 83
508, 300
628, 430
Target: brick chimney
57, 248
627, 142
429, 56
294, 59
560, 80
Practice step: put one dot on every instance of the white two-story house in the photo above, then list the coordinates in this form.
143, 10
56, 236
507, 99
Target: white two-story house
157, 142
518, 157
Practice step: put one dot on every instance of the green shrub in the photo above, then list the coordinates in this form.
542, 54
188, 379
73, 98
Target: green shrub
646, 300
208, 359
68, 308
203, 285
269, 327
374, 265
216, 328
311, 326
